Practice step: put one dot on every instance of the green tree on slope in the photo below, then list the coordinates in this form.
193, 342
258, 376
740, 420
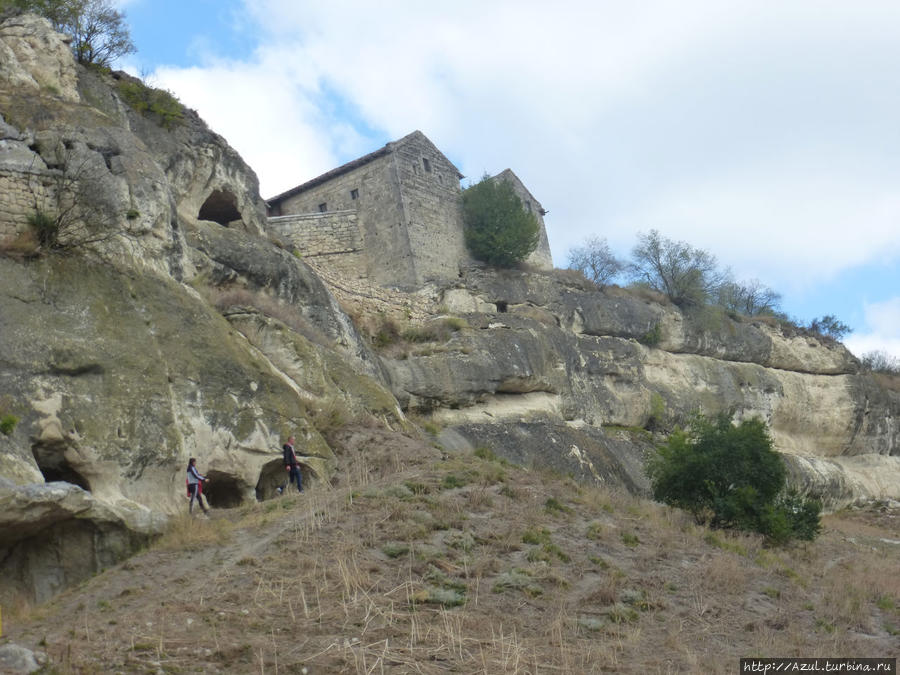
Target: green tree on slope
731, 477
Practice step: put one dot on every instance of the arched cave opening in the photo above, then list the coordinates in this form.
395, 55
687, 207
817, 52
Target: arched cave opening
502, 306
273, 476
53, 466
220, 207
223, 491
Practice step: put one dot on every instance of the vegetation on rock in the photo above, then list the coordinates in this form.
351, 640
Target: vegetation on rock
596, 261
498, 229
98, 30
158, 104
731, 477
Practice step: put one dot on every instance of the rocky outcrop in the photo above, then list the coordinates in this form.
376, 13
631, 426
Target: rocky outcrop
543, 347
166, 326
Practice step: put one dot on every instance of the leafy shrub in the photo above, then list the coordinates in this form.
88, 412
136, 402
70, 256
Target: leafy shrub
652, 337
498, 230
158, 104
731, 477
45, 228
829, 326
8, 424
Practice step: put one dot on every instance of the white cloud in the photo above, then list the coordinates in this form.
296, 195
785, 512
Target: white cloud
765, 132
882, 329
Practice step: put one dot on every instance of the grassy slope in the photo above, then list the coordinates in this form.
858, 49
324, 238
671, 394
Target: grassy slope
424, 563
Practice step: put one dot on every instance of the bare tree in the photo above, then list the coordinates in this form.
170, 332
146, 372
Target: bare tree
687, 275
98, 30
596, 261
75, 208
750, 298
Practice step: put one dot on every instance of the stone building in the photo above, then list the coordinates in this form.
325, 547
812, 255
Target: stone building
391, 217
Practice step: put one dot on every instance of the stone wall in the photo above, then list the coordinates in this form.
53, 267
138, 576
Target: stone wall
369, 303
331, 239
19, 193
371, 190
429, 188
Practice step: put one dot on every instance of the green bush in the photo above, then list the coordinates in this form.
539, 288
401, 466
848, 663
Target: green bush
45, 227
158, 104
8, 424
498, 229
731, 477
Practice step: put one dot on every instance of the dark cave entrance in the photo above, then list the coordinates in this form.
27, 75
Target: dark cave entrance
223, 491
273, 475
502, 306
54, 467
220, 207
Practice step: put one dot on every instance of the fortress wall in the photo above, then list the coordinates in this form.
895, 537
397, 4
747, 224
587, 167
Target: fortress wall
367, 301
430, 194
18, 193
332, 237
387, 255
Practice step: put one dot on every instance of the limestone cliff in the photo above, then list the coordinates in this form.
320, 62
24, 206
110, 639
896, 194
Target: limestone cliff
164, 323
554, 371
166, 326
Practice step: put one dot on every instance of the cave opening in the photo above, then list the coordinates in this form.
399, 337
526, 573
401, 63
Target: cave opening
54, 467
273, 476
223, 491
502, 306
220, 207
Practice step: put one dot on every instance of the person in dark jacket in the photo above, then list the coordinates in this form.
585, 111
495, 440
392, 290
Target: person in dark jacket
195, 485
291, 464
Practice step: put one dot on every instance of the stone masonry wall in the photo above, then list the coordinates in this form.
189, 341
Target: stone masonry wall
19, 191
388, 258
331, 239
330, 244
368, 302
429, 188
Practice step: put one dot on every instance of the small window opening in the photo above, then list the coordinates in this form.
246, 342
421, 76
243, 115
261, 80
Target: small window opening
354, 194
323, 207
426, 164
502, 306
528, 206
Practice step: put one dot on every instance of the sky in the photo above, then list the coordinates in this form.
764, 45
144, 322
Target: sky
766, 132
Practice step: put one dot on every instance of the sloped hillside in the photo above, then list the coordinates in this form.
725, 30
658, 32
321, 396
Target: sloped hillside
423, 562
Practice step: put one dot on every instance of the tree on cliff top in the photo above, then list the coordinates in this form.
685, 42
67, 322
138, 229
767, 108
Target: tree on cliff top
498, 229
688, 276
98, 30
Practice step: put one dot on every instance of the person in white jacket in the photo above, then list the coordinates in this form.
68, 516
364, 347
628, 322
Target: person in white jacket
195, 485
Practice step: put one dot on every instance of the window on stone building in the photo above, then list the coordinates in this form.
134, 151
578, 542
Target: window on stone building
426, 164
528, 206
323, 207
354, 194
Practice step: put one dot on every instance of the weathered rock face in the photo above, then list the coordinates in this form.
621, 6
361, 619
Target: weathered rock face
170, 327
564, 353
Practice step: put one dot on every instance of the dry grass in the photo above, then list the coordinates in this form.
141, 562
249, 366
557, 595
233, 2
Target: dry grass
225, 299
405, 570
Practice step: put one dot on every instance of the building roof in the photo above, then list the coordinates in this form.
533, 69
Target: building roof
506, 174
349, 166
